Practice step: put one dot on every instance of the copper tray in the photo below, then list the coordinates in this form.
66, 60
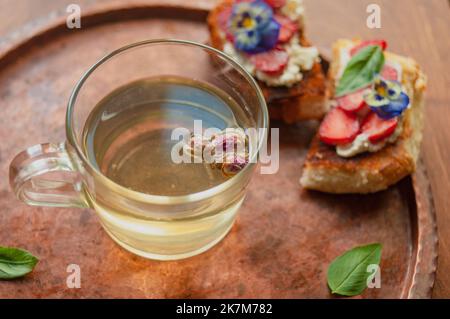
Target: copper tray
284, 238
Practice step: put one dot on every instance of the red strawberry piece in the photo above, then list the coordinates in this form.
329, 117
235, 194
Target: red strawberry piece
276, 3
389, 73
271, 62
287, 28
223, 17
339, 127
222, 20
363, 112
352, 102
363, 44
377, 128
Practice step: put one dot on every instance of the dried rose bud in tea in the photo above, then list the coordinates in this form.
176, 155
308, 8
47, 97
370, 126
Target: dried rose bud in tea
233, 164
228, 150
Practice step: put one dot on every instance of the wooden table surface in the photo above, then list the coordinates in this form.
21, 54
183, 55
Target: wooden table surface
418, 28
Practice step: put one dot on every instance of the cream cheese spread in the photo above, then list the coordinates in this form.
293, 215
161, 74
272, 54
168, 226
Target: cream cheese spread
294, 10
362, 144
300, 59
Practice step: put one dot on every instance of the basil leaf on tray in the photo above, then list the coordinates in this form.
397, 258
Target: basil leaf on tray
348, 273
15, 262
361, 70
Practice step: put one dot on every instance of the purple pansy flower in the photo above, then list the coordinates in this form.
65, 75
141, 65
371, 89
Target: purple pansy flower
253, 26
387, 98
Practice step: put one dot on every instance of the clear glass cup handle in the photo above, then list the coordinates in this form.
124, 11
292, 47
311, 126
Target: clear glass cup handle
43, 175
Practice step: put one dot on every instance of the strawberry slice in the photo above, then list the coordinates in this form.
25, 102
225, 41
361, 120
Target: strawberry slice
287, 28
352, 102
363, 44
222, 20
223, 17
377, 128
276, 3
339, 127
271, 62
389, 73
363, 112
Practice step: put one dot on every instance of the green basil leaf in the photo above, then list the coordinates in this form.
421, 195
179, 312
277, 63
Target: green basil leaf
15, 262
361, 70
347, 274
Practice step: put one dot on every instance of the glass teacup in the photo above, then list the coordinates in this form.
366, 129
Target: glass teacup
153, 226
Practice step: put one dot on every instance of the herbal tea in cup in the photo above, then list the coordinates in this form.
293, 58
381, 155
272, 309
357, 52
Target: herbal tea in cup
121, 157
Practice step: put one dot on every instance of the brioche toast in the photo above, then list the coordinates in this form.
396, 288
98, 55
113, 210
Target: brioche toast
369, 172
306, 99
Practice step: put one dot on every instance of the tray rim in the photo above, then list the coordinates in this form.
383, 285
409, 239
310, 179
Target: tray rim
422, 271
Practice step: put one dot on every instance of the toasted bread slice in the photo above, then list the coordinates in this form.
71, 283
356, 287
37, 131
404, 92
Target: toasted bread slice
305, 100
325, 171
